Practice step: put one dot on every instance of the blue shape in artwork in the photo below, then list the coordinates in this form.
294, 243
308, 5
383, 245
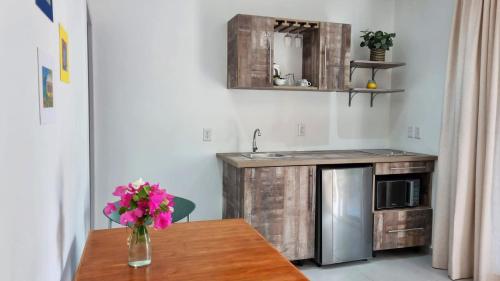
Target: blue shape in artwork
46, 7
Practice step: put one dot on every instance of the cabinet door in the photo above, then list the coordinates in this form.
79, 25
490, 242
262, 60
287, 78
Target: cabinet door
335, 49
250, 51
280, 203
402, 228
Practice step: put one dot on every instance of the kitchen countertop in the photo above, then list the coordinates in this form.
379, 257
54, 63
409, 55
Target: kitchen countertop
323, 157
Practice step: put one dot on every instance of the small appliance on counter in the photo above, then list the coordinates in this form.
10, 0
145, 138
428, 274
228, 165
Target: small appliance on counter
401, 193
344, 214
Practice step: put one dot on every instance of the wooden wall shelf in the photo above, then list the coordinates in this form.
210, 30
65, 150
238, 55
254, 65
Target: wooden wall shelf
376, 91
374, 66
373, 93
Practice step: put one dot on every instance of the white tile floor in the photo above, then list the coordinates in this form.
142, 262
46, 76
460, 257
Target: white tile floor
391, 266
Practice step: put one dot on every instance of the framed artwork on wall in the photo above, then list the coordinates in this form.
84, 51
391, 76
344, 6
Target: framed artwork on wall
46, 7
46, 74
63, 54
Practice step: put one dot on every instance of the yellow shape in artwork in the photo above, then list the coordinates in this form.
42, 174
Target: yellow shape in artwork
63, 54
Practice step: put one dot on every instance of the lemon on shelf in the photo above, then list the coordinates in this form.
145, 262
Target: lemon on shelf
371, 84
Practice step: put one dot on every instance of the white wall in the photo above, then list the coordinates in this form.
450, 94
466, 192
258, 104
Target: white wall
44, 170
160, 78
423, 31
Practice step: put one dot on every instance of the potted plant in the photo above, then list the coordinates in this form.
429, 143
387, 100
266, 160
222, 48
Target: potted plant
141, 204
378, 42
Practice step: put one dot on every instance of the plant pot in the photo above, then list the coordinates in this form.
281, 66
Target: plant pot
377, 54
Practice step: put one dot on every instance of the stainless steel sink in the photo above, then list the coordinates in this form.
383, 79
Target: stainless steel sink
263, 155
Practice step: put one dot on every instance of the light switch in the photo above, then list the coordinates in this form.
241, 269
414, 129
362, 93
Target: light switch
417, 132
410, 132
301, 130
207, 134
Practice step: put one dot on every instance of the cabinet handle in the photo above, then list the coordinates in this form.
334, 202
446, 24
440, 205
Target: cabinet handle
310, 191
404, 168
269, 42
326, 79
406, 230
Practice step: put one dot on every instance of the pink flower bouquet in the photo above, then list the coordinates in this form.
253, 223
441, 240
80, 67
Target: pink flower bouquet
142, 202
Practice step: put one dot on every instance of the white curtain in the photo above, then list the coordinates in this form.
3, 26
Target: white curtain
466, 238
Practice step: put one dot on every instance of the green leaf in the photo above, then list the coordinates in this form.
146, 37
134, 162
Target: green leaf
378, 45
122, 210
142, 194
136, 198
163, 207
133, 205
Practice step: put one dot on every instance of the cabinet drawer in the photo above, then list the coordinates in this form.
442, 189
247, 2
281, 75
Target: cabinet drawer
402, 228
392, 168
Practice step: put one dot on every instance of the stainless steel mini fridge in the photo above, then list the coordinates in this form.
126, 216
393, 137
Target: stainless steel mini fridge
344, 214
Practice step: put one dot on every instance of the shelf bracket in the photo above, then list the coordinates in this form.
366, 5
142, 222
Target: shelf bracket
374, 71
372, 97
352, 72
351, 96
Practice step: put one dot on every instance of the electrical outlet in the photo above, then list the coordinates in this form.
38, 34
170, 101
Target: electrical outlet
207, 134
410, 132
301, 130
417, 132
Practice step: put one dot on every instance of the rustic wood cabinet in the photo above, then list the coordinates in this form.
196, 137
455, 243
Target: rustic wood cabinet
395, 168
250, 52
402, 228
278, 201
407, 227
250, 49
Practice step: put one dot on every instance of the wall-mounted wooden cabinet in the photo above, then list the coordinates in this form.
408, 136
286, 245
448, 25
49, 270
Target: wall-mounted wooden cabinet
325, 52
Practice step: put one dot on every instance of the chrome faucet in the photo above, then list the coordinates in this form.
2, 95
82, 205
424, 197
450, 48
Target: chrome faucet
254, 144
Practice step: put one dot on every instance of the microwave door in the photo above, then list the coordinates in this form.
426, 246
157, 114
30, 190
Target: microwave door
391, 194
397, 192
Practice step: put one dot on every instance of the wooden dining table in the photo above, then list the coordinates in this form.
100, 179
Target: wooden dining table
204, 250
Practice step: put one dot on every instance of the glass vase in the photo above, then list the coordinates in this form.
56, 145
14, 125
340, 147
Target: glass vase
139, 248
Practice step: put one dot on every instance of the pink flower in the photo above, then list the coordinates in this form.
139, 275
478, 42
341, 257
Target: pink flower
131, 188
170, 199
156, 197
154, 204
110, 207
128, 217
162, 220
120, 190
138, 212
143, 204
125, 200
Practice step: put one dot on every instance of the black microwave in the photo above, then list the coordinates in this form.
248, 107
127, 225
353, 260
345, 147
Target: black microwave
397, 194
